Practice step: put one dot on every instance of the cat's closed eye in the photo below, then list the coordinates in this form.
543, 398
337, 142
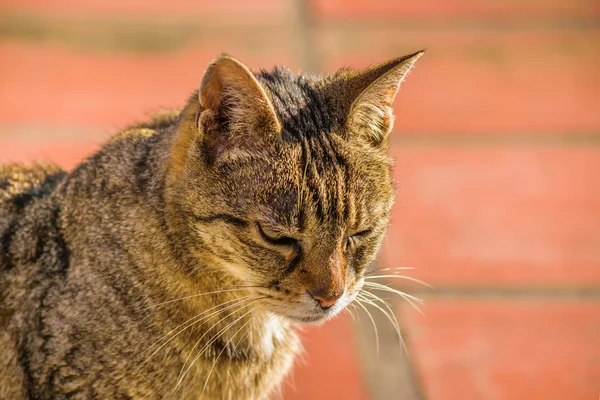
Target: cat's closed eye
355, 238
276, 238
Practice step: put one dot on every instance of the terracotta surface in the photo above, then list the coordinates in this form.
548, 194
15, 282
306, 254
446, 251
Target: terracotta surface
497, 216
472, 9
502, 82
258, 10
507, 349
100, 89
329, 368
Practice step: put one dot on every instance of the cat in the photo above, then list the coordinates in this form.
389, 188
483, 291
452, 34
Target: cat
177, 261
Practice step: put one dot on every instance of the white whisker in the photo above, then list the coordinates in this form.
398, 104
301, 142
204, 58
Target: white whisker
388, 269
400, 277
221, 352
190, 323
210, 342
409, 298
389, 309
200, 294
392, 290
349, 312
373, 322
389, 314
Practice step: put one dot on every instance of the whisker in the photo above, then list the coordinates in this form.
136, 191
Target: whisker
210, 342
389, 314
377, 298
392, 290
237, 302
235, 289
400, 277
388, 269
222, 331
409, 298
208, 331
372, 321
221, 352
349, 312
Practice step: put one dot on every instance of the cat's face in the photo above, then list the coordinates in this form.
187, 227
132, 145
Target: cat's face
300, 231
285, 185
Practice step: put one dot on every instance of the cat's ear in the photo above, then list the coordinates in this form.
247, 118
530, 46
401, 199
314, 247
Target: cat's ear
237, 102
369, 94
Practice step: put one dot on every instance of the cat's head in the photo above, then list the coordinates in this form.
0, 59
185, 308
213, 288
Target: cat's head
282, 181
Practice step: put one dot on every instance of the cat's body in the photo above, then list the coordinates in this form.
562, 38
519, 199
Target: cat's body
102, 269
76, 284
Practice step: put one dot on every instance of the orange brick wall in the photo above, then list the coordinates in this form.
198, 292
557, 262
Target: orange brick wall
497, 143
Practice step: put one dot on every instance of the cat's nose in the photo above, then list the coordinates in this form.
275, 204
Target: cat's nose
325, 301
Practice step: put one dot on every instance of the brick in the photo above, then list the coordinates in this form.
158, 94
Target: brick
48, 84
468, 216
501, 349
484, 81
329, 369
491, 10
204, 10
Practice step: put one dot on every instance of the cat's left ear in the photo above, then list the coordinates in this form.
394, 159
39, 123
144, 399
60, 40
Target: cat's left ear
236, 115
369, 94
234, 96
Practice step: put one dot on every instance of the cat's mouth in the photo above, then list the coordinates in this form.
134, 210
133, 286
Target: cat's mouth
315, 318
302, 308
307, 314
311, 313
308, 319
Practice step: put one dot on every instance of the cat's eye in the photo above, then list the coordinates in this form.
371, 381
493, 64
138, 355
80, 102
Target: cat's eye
276, 238
354, 238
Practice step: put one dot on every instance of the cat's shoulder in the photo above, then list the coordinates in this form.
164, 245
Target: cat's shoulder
157, 122
18, 181
21, 187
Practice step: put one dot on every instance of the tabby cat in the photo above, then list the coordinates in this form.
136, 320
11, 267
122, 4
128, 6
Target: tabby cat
177, 260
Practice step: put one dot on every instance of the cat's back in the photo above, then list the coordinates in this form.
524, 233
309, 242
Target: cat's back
28, 219
20, 187
22, 184
24, 198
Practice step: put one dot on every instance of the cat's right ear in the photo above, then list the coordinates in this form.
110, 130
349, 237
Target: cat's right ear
235, 111
368, 97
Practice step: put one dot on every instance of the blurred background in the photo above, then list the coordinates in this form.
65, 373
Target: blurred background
497, 148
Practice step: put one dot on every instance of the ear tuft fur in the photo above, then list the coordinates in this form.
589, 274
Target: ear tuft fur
371, 92
232, 93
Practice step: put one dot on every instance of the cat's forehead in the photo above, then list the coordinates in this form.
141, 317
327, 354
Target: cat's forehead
301, 105
317, 182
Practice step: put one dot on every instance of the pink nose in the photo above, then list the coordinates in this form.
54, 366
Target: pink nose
325, 301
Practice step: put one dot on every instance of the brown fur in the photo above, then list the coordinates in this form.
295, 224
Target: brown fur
274, 190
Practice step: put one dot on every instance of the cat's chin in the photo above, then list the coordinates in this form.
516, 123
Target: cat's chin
312, 320
316, 319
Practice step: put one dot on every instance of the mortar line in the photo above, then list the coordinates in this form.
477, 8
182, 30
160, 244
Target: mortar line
495, 139
459, 24
391, 372
417, 379
306, 25
507, 293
